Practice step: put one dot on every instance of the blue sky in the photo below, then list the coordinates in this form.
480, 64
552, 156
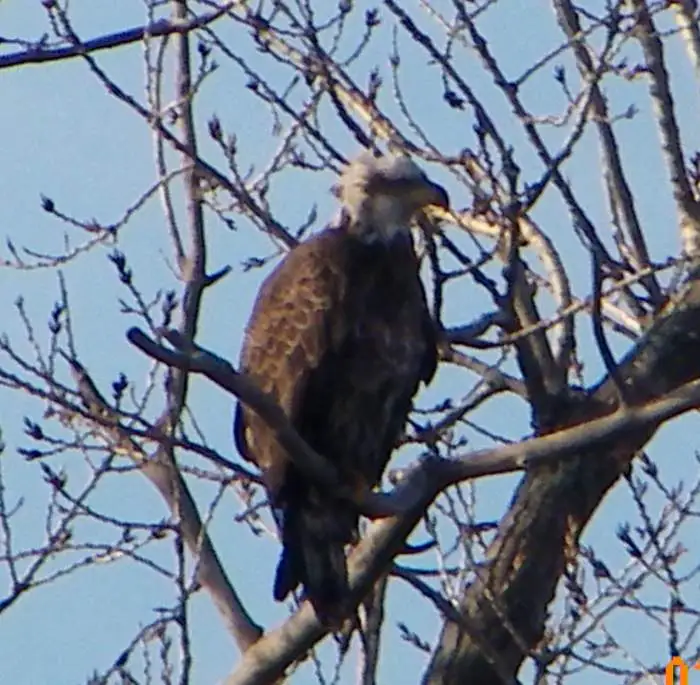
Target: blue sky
65, 137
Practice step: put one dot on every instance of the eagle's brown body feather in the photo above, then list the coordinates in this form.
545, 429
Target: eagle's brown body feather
341, 337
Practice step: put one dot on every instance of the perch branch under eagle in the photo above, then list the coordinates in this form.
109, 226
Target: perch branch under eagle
340, 336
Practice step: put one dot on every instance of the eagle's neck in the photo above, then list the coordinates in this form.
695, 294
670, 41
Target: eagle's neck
379, 219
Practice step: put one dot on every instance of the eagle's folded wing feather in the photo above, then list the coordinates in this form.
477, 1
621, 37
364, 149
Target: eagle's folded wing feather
294, 323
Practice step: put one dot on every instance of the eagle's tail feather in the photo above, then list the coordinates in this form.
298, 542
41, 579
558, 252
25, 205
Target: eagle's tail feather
314, 538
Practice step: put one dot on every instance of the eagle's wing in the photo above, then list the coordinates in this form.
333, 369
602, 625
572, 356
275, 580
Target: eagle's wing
294, 324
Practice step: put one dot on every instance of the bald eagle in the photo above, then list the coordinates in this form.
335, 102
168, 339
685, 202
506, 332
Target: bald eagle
340, 336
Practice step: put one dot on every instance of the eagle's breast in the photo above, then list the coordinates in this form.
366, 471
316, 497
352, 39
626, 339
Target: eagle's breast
378, 366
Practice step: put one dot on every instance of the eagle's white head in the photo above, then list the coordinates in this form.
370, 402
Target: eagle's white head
381, 195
